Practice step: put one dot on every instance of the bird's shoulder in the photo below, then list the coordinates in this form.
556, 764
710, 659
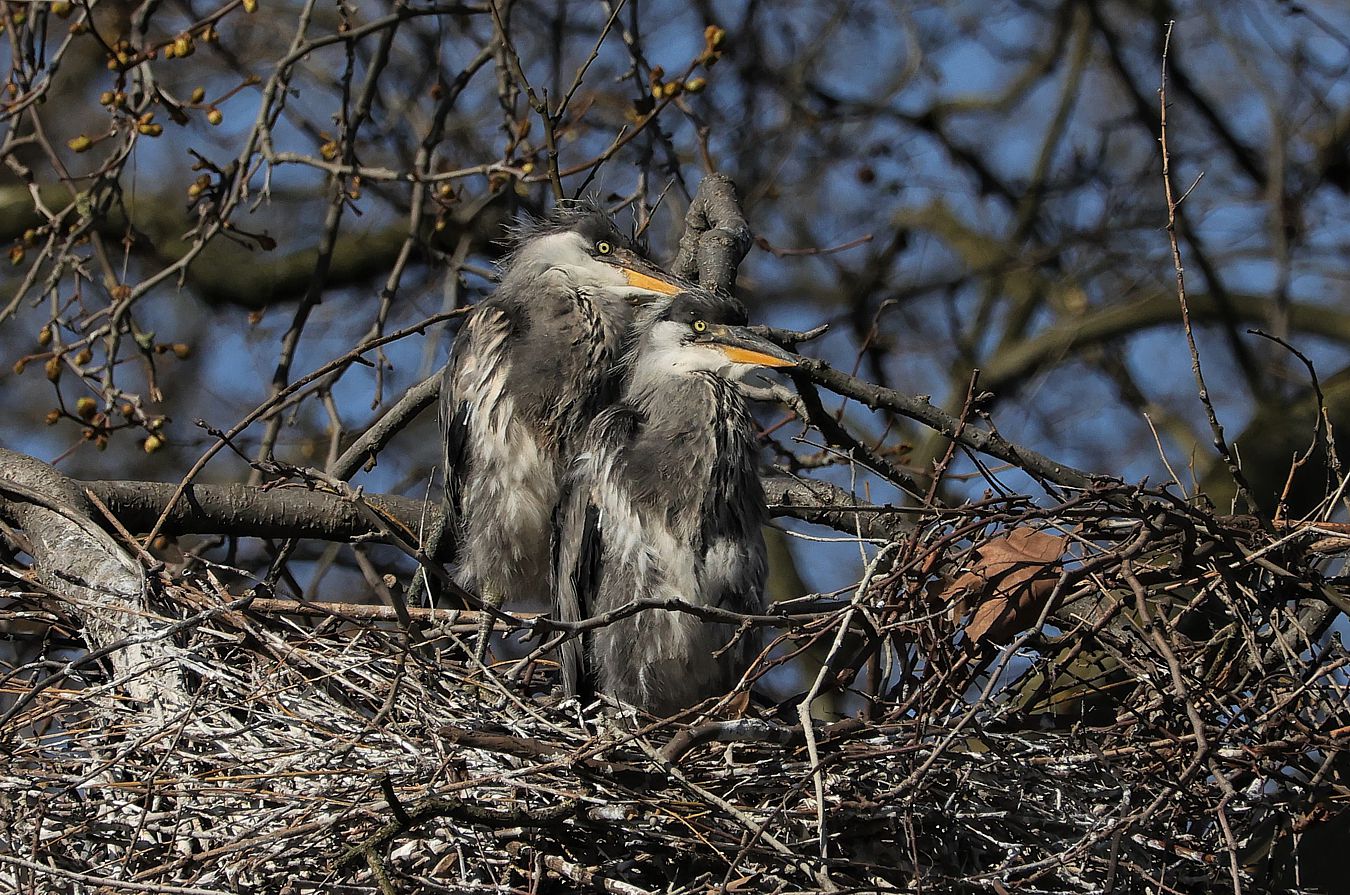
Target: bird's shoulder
482, 349
614, 429
491, 322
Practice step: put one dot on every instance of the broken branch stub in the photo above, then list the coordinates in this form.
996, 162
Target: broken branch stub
716, 236
98, 582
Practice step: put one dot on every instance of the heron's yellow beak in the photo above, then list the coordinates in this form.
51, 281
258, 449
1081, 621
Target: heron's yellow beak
642, 280
744, 347
758, 358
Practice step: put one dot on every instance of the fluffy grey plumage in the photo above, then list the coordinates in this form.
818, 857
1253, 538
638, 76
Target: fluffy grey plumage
664, 500
530, 368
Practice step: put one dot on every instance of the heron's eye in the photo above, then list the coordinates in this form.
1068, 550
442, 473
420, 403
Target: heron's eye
604, 247
700, 326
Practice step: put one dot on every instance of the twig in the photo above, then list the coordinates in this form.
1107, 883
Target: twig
1215, 427
918, 408
105, 882
349, 358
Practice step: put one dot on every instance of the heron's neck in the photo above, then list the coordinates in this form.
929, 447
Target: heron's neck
714, 472
698, 406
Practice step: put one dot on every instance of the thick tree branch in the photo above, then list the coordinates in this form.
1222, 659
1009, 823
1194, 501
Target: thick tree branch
1100, 325
295, 512
247, 511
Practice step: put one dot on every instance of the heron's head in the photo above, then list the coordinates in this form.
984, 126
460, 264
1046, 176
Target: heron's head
697, 331
580, 241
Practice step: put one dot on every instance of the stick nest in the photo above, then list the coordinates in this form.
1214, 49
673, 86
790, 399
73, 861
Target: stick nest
1119, 693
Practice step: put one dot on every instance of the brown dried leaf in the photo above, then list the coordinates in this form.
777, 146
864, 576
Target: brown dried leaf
739, 705
1009, 584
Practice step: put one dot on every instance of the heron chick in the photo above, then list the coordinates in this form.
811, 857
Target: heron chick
664, 500
530, 368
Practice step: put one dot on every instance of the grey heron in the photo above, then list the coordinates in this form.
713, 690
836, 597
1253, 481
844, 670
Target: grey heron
664, 500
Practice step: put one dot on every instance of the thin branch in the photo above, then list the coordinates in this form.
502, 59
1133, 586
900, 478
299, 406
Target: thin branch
1215, 427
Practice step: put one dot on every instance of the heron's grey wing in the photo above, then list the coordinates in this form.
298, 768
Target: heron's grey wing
580, 536
455, 427
575, 565
472, 377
